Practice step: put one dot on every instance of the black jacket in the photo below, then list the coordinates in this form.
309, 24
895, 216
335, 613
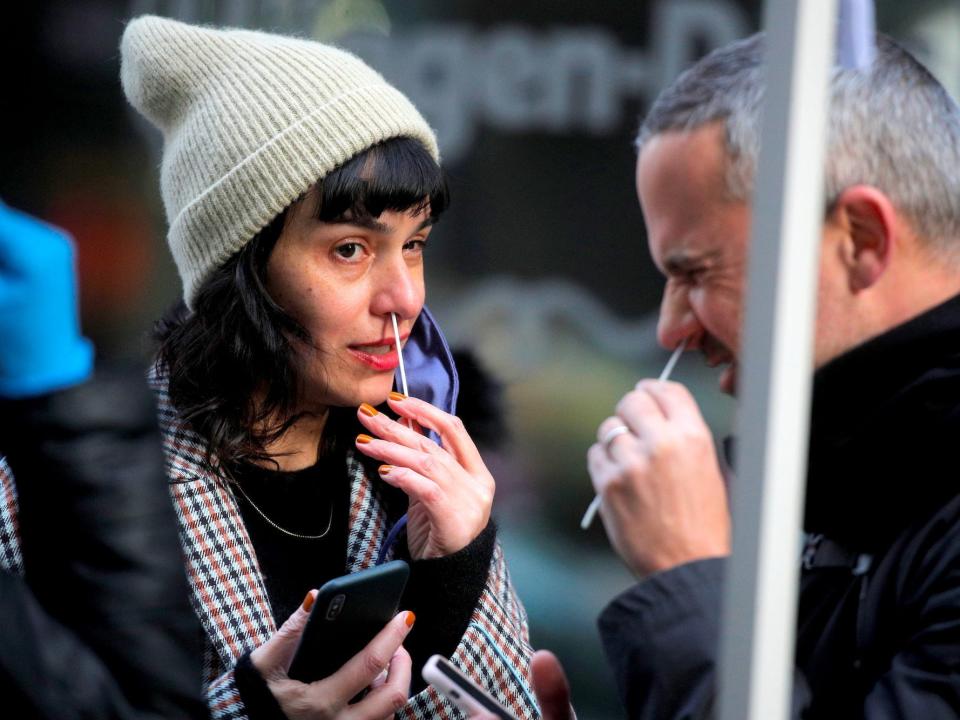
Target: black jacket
99, 626
878, 633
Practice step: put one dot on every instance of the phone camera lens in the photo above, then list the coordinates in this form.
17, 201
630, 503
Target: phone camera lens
335, 606
455, 693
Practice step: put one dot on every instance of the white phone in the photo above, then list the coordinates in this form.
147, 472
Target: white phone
461, 690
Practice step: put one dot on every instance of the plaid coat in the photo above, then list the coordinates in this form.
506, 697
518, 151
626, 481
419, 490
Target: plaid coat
230, 598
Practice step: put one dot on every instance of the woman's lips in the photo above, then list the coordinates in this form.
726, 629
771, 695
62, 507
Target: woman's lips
381, 355
380, 358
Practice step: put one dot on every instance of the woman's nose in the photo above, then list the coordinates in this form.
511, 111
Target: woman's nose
400, 290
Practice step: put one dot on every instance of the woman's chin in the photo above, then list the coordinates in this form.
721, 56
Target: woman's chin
373, 392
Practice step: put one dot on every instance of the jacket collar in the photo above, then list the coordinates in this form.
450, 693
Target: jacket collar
884, 421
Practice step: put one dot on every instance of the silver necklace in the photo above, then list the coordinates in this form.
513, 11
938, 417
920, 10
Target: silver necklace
284, 530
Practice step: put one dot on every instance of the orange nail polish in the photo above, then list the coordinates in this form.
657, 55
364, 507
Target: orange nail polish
394, 395
385, 469
308, 602
411, 618
363, 439
368, 410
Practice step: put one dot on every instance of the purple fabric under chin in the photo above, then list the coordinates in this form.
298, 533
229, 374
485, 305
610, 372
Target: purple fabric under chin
431, 376
431, 373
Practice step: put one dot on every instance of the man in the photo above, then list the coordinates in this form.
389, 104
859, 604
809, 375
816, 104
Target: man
879, 614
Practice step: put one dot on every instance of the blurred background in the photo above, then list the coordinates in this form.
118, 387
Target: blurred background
539, 267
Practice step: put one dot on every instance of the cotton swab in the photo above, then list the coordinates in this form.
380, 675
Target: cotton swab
403, 372
594, 507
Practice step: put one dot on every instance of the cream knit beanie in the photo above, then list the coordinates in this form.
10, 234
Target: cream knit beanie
250, 121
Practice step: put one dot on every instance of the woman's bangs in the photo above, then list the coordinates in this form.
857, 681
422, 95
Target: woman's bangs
397, 175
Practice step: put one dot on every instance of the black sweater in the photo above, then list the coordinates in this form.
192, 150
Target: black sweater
442, 592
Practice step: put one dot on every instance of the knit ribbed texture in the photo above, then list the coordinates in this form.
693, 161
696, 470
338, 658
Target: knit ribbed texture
250, 121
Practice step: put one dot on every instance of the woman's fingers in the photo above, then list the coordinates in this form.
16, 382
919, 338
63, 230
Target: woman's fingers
363, 668
273, 658
450, 489
416, 486
389, 694
436, 466
453, 434
397, 432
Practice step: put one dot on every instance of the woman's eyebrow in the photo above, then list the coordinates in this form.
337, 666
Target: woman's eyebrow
368, 223
371, 223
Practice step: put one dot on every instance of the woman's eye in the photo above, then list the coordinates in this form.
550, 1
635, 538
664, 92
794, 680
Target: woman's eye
416, 246
348, 251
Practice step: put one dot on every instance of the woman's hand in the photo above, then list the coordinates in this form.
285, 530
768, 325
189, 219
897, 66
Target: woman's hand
450, 488
383, 665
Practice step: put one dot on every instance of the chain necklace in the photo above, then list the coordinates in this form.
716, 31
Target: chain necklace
284, 530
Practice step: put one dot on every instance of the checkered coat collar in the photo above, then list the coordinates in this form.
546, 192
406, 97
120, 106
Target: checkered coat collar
228, 591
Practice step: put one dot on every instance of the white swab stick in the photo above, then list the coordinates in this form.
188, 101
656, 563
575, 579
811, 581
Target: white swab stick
672, 362
403, 372
594, 506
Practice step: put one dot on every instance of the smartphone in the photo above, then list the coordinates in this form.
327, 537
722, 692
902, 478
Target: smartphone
460, 689
348, 612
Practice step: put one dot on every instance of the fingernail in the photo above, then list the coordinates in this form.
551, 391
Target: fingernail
410, 619
394, 395
385, 469
368, 410
308, 602
363, 439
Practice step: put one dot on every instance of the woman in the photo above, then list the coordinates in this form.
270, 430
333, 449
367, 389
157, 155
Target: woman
300, 189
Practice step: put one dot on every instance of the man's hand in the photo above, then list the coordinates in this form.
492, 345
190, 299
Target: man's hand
664, 499
550, 686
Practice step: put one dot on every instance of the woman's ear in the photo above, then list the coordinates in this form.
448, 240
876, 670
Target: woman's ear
867, 222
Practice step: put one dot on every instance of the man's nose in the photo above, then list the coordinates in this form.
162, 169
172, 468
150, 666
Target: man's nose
677, 322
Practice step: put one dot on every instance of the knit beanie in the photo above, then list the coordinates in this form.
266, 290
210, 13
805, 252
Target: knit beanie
250, 121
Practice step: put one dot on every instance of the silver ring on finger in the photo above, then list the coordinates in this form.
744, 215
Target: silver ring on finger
612, 434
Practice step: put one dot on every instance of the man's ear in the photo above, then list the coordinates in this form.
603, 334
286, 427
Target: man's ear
867, 221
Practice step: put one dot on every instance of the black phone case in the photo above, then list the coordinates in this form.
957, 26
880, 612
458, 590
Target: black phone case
348, 612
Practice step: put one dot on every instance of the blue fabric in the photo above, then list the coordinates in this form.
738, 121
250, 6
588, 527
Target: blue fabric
41, 349
431, 373
431, 376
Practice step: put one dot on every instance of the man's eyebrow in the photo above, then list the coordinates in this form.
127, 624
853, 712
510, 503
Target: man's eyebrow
683, 262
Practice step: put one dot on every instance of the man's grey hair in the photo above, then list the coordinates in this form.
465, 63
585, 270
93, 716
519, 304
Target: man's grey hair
892, 126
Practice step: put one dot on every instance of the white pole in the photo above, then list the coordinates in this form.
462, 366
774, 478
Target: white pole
757, 636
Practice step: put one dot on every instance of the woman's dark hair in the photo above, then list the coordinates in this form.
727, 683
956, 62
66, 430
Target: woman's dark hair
217, 357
